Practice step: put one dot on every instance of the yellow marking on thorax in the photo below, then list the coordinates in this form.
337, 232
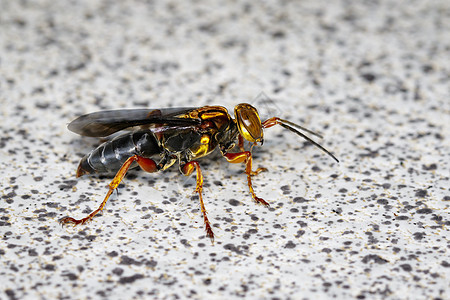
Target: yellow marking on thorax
204, 147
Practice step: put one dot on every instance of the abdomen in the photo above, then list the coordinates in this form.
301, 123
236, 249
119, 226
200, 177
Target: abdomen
109, 156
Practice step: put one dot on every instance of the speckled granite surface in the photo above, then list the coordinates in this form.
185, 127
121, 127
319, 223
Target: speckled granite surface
372, 76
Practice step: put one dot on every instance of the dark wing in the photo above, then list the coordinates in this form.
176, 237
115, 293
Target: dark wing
104, 123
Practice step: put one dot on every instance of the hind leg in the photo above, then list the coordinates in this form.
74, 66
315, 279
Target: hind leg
146, 164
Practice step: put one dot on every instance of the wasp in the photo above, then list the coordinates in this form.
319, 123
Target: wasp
155, 139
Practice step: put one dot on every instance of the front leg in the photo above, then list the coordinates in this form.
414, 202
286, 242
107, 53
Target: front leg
246, 157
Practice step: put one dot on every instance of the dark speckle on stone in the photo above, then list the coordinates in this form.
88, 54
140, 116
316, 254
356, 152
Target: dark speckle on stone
233, 248
374, 258
337, 210
117, 271
421, 193
302, 224
32, 252
11, 294
382, 201
113, 254
424, 211
70, 276
430, 167
406, 267
286, 189
125, 260
91, 237
130, 279
300, 200
254, 218
234, 202
369, 77
386, 185
316, 168
49, 267
290, 245
299, 233
427, 68
278, 34
419, 235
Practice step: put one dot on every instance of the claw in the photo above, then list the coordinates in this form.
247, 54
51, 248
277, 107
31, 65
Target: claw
70, 220
209, 232
261, 201
257, 171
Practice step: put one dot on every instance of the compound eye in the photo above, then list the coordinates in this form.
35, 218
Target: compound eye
248, 122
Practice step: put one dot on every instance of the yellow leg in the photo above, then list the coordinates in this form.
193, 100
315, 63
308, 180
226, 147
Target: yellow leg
187, 170
246, 157
145, 163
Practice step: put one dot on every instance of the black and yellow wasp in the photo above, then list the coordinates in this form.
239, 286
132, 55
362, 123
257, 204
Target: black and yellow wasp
155, 139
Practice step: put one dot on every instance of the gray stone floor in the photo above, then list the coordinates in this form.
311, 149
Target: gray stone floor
371, 76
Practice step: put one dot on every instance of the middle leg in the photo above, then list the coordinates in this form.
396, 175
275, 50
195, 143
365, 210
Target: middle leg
187, 170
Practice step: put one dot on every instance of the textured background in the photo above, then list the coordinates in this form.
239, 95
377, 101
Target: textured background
372, 76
